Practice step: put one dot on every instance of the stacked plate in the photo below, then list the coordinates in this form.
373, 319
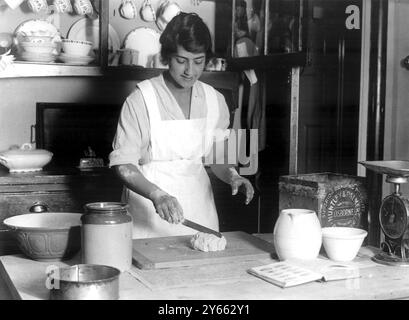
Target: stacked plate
38, 51
37, 57
37, 41
146, 42
73, 59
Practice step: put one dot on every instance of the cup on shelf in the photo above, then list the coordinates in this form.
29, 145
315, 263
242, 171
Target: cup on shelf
128, 9
63, 6
83, 7
129, 57
38, 5
157, 62
13, 4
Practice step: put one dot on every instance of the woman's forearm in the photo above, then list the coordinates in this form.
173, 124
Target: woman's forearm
165, 204
134, 180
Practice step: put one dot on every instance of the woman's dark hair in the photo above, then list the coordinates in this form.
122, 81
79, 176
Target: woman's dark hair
189, 31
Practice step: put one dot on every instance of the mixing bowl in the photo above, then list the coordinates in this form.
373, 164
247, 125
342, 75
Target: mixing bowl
50, 236
342, 243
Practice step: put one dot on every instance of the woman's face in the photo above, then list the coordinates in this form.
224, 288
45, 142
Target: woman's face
186, 67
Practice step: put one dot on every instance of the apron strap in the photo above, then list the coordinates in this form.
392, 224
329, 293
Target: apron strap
151, 102
212, 106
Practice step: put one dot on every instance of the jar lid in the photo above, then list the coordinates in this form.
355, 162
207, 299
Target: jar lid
105, 207
25, 149
105, 213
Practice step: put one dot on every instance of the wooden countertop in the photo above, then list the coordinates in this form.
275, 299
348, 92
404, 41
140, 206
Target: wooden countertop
219, 282
54, 175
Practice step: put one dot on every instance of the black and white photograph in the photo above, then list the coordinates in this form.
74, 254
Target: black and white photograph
202, 155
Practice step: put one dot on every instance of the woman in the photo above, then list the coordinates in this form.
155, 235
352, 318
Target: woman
166, 126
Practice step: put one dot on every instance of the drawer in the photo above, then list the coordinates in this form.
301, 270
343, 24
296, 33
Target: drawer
12, 204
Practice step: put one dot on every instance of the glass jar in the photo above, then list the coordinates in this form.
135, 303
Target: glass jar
107, 235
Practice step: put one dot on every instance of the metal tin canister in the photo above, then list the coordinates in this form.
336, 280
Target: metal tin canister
107, 235
339, 200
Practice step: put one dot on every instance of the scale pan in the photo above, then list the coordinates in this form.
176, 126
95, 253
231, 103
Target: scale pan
398, 168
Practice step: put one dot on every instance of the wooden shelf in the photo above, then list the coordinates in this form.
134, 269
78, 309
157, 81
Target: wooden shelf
266, 62
140, 73
30, 69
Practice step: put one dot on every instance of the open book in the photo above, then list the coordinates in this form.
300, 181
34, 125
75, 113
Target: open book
295, 272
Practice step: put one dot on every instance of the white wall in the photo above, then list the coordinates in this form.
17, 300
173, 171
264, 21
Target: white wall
206, 10
10, 19
18, 98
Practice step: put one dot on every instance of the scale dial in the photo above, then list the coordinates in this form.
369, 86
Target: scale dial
393, 216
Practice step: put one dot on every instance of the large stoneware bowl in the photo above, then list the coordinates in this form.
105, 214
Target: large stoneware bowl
50, 236
25, 159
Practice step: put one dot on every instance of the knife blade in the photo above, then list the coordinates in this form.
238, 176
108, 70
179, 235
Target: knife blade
199, 227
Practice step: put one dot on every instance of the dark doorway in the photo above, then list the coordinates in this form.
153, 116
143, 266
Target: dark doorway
330, 88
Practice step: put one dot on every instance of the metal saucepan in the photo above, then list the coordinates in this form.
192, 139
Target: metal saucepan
85, 282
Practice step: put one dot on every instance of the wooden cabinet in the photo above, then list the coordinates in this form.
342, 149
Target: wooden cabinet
60, 191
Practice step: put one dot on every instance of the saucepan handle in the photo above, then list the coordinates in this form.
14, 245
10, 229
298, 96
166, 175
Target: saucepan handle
32, 133
3, 160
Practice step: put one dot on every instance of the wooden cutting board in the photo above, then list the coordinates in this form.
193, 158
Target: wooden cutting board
168, 252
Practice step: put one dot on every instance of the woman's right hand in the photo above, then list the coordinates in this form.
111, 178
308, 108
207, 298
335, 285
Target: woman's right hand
167, 206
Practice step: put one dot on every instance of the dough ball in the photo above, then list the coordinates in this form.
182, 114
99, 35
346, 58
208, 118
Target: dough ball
208, 242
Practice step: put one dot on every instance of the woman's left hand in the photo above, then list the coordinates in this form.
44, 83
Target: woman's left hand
237, 181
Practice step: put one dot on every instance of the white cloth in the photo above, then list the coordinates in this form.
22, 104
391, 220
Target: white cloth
177, 149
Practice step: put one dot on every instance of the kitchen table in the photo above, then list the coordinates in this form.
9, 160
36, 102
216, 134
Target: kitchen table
222, 281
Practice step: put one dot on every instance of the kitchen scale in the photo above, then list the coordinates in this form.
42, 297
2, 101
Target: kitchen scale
393, 213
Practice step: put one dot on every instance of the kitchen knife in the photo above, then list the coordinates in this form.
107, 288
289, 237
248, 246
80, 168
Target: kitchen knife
200, 228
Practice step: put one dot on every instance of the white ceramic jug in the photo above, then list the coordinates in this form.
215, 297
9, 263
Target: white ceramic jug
297, 234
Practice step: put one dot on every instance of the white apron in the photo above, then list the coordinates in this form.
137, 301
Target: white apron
176, 167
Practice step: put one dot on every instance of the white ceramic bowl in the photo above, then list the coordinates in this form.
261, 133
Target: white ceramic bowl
76, 47
342, 243
38, 47
19, 160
